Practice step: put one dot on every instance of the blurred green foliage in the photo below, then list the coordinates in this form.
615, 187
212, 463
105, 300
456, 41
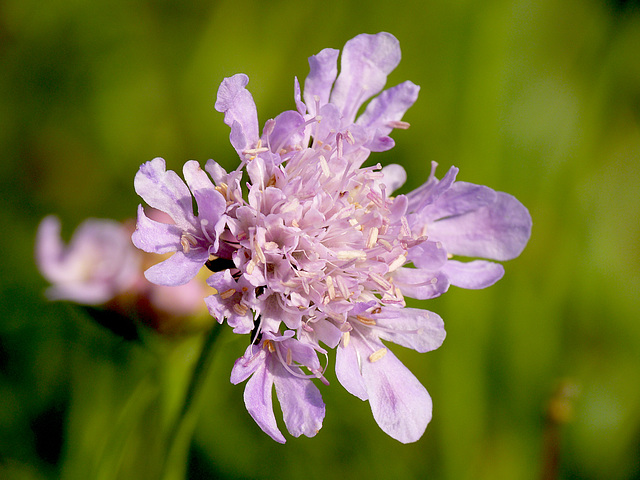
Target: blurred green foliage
539, 99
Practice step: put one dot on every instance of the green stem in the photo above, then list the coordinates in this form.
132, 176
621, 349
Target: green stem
174, 463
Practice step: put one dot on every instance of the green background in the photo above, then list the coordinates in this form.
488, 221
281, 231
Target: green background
539, 99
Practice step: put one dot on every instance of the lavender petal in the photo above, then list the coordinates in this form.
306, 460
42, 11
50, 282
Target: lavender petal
366, 62
473, 275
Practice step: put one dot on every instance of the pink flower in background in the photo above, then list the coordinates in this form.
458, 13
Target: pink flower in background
98, 263
101, 267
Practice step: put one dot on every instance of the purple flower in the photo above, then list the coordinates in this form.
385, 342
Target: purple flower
322, 255
193, 238
98, 264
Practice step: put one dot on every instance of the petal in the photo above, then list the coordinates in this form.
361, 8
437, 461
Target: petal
393, 177
384, 110
211, 203
327, 333
177, 269
428, 255
473, 275
155, 237
49, 248
245, 366
414, 328
498, 231
420, 283
297, 95
287, 132
301, 353
165, 191
366, 62
257, 399
301, 402
400, 404
461, 198
348, 369
83, 293
240, 112
428, 192
323, 69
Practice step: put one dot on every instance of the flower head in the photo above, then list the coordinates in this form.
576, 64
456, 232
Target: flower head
318, 254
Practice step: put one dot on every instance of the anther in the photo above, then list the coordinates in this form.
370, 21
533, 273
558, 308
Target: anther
377, 355
397, 263
268, 344
228, 293
366, 320
398, 124
330, 288
352, 254
240, 309
372, 237
187, 241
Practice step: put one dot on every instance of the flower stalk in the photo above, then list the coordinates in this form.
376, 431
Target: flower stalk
180, 432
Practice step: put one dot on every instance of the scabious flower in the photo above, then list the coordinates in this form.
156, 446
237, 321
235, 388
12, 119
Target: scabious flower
98, 264
319, 254
100, 267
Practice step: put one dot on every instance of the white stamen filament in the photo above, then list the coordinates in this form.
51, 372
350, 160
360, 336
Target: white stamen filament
324, 166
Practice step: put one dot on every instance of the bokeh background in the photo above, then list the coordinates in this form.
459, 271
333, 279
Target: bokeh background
540, 99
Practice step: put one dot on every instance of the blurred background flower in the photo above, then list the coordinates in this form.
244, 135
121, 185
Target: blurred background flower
539, 99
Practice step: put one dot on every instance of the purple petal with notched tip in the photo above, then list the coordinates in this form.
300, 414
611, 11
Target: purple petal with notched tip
300, 400
164, 190
323, 69
366, 62
240, 112
400, 404
258, 400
